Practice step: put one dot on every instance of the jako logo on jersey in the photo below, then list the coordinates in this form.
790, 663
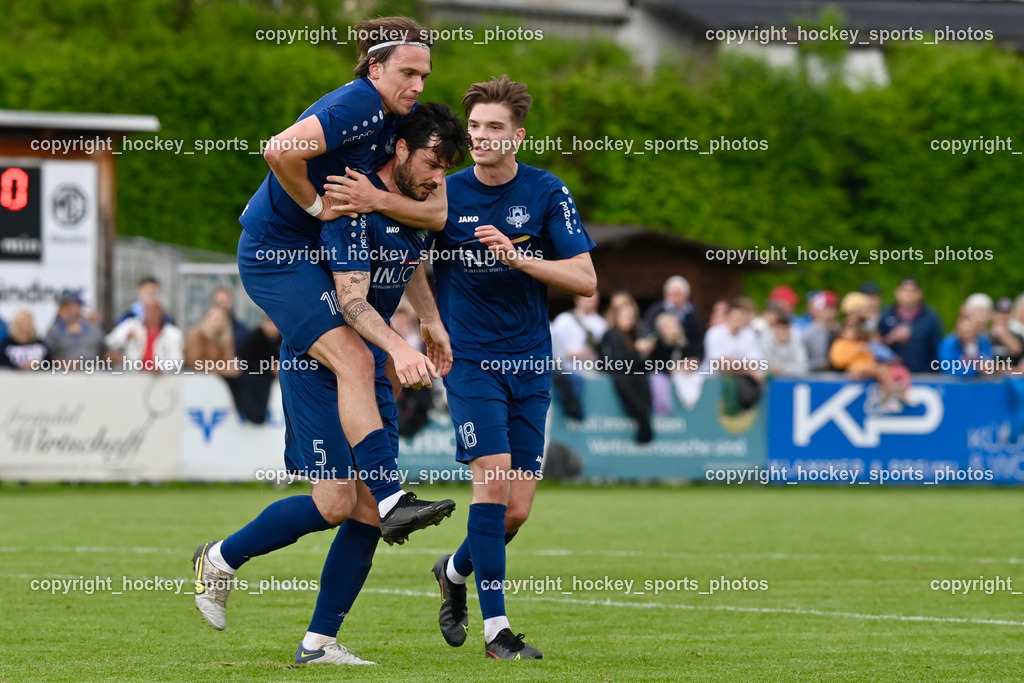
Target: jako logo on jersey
469, 219
392, 229
199, 417
807, 422
517, 216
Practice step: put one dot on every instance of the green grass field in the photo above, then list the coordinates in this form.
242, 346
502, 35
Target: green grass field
848, 592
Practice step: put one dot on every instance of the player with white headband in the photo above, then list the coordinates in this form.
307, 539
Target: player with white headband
353, 129
392, 43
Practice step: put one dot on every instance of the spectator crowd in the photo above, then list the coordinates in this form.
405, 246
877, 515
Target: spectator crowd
656, 357
146, 338
856, 335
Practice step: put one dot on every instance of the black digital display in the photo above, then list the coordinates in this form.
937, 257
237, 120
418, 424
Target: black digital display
20, 214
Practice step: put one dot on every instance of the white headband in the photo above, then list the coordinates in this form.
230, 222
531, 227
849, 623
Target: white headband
381, 46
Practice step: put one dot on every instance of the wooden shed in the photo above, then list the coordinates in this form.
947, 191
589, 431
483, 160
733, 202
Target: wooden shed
639, 260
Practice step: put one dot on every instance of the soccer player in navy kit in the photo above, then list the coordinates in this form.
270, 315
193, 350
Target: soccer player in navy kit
512, 231
353, 128
375, 259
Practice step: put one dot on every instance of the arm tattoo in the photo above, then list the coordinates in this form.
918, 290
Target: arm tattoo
353, 309
353, 287
350, 283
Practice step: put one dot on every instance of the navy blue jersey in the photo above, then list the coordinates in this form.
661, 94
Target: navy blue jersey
491, 310
358, 134
389, 250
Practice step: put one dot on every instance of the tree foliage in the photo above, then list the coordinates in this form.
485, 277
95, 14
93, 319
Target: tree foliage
844, 168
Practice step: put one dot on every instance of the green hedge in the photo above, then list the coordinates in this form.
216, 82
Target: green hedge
845, 168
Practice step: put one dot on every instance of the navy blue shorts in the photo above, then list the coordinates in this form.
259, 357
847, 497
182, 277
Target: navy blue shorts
314, 442
496, 412
293, 287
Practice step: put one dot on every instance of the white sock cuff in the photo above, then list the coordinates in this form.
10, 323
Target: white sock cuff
493, 626
453, 575
389, 503
217, 560
315, 641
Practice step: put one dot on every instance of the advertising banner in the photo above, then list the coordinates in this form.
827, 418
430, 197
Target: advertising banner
948, 431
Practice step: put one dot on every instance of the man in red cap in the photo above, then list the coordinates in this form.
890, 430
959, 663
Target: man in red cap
781, 302
785, 297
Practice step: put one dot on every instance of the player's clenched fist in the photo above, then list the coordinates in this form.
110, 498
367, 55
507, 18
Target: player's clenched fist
414, 370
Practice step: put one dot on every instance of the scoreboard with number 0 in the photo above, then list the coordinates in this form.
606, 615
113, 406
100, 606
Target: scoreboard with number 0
20, 214
49, 237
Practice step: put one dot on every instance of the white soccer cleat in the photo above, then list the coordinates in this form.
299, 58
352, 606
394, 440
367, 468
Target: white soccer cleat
211, 588
331, 653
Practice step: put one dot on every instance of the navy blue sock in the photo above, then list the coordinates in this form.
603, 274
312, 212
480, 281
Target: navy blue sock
347, 566
463, 562
378, 464
487, 546
280, 524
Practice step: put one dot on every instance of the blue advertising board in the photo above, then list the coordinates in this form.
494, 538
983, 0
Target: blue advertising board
828, 430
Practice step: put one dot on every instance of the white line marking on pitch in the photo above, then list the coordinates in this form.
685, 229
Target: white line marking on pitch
726, 608
661, 605
85, 549
549, 552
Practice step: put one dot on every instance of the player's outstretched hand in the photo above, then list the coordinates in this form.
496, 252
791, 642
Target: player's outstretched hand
439, 346
414, 370
498, 243
353, 193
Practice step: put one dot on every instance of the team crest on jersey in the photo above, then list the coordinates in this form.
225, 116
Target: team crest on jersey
517, 216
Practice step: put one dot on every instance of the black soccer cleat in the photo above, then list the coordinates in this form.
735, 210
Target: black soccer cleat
412, 514
506, 645
453, 617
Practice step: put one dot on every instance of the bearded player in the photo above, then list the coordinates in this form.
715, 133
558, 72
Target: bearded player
375, 259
